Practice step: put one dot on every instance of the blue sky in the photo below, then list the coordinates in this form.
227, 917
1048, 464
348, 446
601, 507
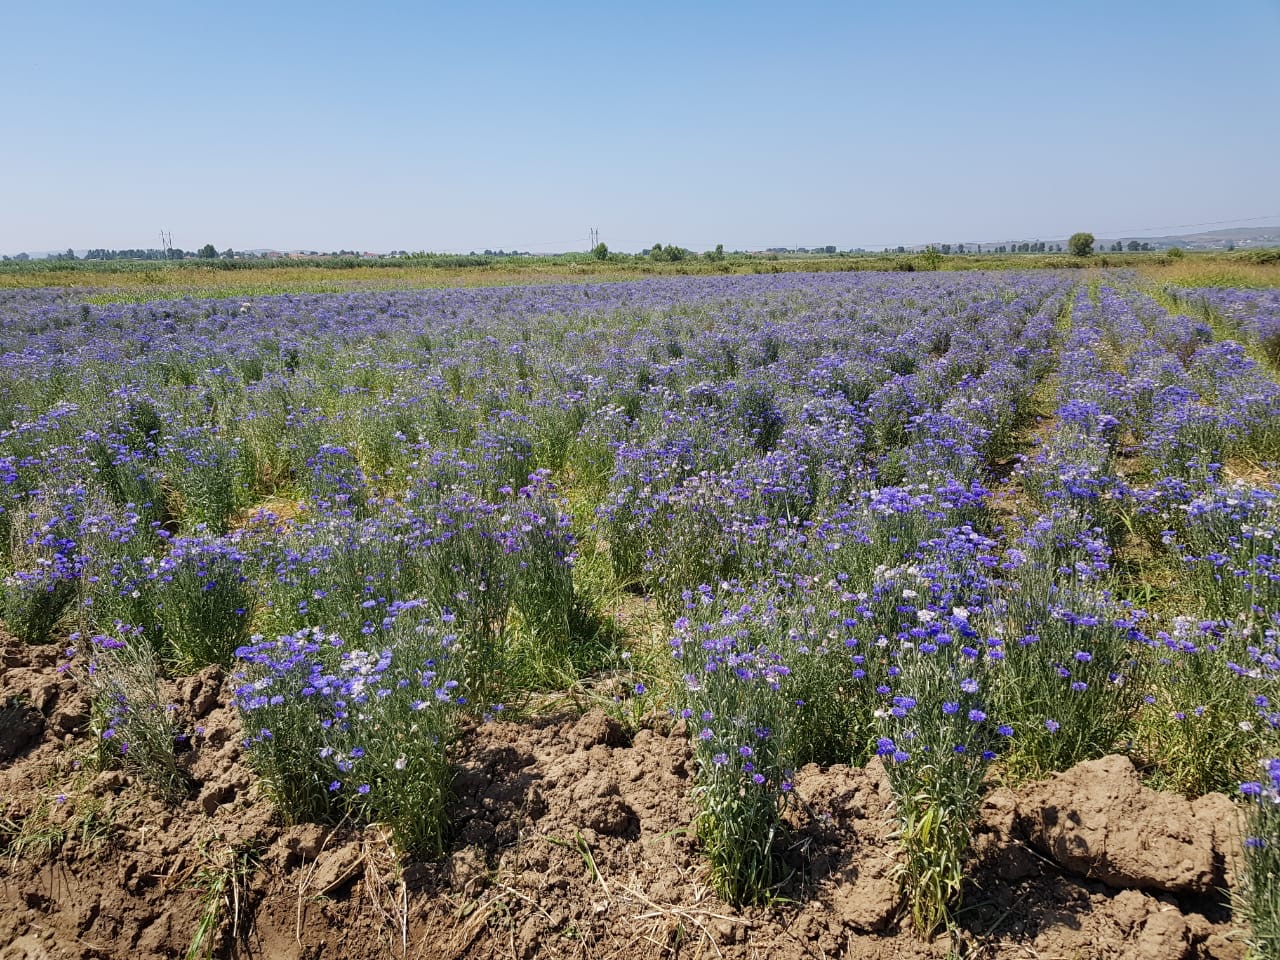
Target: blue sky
419, 125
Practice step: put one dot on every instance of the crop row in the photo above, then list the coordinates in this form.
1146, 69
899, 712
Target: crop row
955, 520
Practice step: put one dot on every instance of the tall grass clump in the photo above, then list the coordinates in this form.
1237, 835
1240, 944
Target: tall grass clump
135, 729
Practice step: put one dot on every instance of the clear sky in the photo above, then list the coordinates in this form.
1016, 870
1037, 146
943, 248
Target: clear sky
432, 126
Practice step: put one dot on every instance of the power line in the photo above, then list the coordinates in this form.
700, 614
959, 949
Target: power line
1205, 223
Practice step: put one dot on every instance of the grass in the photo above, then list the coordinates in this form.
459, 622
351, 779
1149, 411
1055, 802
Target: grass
1215, 272
221, 882
34, 838
138, 281
92, 821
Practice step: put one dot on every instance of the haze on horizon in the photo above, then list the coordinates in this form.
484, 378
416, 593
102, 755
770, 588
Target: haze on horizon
424, 126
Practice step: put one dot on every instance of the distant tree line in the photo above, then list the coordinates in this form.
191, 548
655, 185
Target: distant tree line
176, 253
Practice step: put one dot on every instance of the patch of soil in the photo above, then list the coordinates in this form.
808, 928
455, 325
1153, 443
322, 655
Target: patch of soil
570, 839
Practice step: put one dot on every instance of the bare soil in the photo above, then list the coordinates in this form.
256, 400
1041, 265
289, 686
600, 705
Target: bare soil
571, 838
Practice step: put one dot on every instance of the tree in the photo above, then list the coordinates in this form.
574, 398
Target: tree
207, 252
1177, 253
1133, 246
1080, 244
600, 251
671, 253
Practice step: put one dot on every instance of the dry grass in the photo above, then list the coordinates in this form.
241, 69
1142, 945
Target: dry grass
131, 281
1195, 272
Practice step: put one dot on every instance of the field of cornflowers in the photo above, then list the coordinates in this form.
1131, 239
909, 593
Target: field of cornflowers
984, 526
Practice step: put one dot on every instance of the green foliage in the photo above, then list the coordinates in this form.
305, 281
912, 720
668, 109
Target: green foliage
600, 251
1070, 684
338, 731
733, 700
1257, 893
669, 254
203, 601
207, 252
1080, 244
1201, 726
45, 582
931, 258
1176, 253
136, 729
221, 882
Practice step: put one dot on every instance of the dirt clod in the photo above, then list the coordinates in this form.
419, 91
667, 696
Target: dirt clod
1099, 821
21, 727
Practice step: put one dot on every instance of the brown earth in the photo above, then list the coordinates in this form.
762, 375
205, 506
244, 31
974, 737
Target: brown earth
570, 839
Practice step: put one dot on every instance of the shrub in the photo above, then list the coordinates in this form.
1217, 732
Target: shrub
336, 730
47, 562
203, 600
732, 699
